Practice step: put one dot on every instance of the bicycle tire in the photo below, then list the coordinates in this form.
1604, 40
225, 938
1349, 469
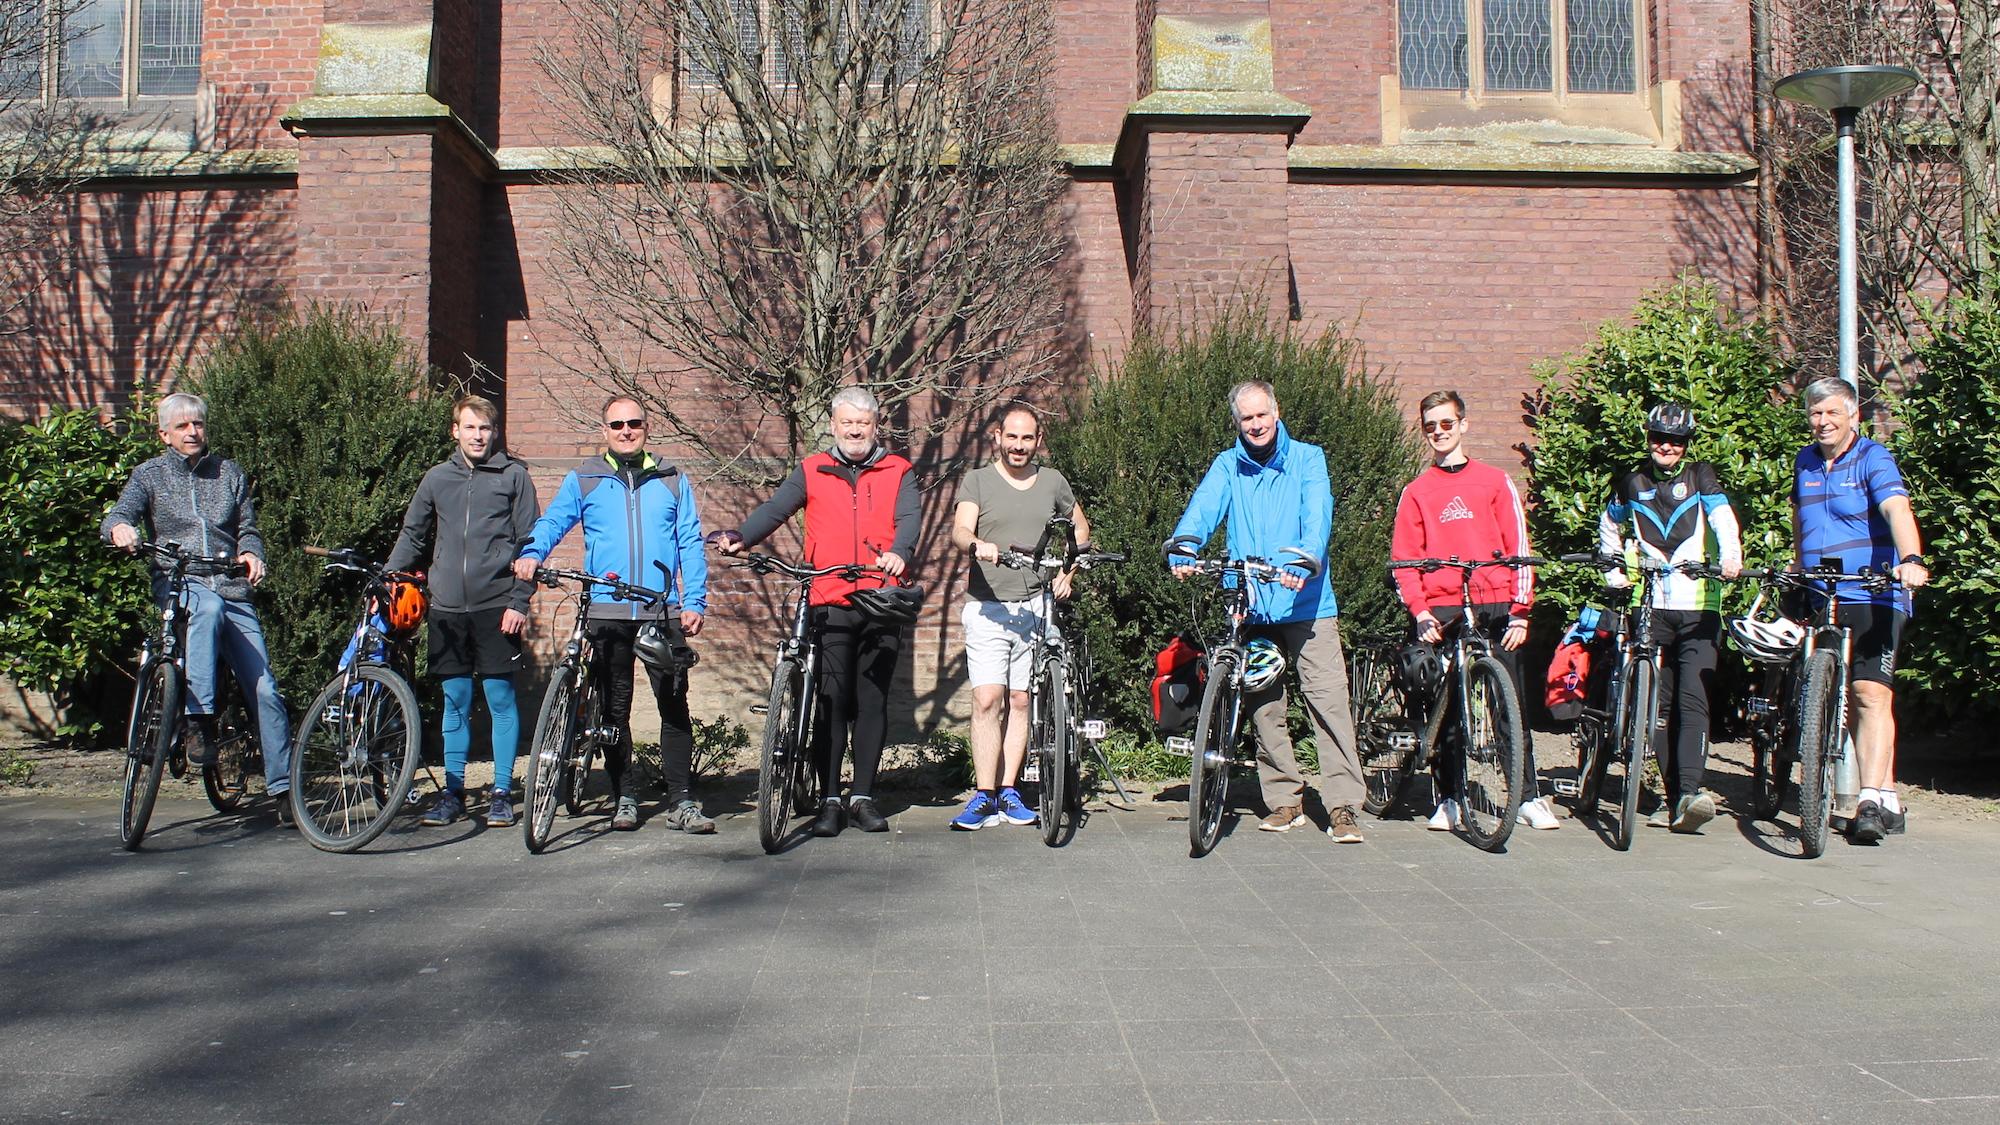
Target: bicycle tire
1770, 774
149, 734
226, 780
1056, 743
778, 762
354, 757
1214, 752
583, 747
549, 758
1818, 728
1638, 713
1490, 782
1079, 692
1384, 769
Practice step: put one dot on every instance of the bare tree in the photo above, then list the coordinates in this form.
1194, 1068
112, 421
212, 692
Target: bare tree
791, 195
1930, 196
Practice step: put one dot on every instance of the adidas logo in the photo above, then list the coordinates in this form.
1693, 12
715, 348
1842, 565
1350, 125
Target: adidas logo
1456, 510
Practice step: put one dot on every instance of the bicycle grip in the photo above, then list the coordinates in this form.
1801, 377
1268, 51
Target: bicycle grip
318, 552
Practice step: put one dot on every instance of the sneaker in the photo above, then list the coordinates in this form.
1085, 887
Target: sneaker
1868, 828
449, 807
283, 810
688, 817
1894, 821
1445, 819
982, 811
200, 740
500, 812
1014, 810
832, 818
1344, 829
1691, 812
1282, 820
626, 819
1537, 814
1663, 817
864, 814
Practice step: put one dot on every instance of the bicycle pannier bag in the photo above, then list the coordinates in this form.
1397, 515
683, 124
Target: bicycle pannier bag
1177, 677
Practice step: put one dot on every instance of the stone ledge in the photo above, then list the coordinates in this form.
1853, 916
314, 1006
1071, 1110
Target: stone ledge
365, 107
1533, 159
1211, 104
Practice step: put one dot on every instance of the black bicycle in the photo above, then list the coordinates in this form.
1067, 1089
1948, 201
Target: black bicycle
1059, 685
570, 732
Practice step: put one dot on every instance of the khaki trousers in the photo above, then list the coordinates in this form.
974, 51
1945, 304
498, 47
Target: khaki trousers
1312, 648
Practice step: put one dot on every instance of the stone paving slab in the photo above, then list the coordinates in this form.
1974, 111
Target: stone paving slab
230, 973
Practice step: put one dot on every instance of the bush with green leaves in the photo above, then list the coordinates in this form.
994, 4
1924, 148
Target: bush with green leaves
1139, 437
1588, 418
72, 612
335, 421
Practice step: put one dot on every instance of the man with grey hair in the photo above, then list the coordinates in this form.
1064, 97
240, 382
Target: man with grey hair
861, 508
1274, 494
189, 496
1850, 508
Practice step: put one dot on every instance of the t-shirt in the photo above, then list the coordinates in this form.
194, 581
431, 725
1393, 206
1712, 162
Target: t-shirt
1011, 517
1840, 515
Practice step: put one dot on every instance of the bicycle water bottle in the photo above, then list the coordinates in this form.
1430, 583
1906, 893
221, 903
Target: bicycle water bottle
1846, 778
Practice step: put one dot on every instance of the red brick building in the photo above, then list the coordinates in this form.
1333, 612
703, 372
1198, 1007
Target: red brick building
1474, 184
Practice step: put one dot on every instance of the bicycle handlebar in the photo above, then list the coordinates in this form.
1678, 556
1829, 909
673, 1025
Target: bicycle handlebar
772, 564
1179, 552
1517, 562
200, 566
347, 558
1019, 557
621, 590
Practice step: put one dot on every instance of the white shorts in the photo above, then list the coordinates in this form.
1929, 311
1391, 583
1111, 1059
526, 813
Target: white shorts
1000, 641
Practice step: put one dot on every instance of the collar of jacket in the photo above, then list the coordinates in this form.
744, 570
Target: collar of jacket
840, 463
192, 464
649, 466
495, 461
1248, 464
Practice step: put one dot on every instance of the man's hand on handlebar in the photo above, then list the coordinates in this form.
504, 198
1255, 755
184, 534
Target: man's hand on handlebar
890, 563
525, 568
1428, 629
253, 567
125, 537
985, 551
727, 542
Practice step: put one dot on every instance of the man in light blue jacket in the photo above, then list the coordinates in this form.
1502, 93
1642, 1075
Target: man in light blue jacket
1274, 496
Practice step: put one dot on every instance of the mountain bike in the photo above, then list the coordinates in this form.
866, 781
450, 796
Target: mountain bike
1059, 684
1218, 727
570, 731
1480, 698
359, 742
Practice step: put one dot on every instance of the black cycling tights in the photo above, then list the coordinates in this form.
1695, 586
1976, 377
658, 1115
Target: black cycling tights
857, 661
612, 642
1688, 640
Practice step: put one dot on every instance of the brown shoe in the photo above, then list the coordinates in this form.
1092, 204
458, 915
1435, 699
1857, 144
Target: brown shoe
1283, 820
1344, 829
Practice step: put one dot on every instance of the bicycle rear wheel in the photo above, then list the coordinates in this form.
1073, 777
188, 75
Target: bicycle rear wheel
226, 780
1385, 766
1819, 735
1214, 752
354, 757
155, 724
584, 746
782, 757
1638, 712
1052, 739
556, 730
1770, 774
1492, 775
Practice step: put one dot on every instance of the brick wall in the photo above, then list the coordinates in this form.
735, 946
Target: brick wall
1332, 57
1214, 223
259, 59
364, 225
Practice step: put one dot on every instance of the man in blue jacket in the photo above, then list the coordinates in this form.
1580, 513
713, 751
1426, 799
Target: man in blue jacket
639, 522
1274, 495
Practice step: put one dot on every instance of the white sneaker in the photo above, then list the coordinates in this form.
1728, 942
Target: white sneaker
1537, 814
1445, 819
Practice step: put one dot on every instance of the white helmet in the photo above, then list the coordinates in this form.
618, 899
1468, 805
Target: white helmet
1263, 663
1766, 642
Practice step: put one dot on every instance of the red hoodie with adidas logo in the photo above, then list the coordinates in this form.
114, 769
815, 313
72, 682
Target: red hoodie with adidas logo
1468, 511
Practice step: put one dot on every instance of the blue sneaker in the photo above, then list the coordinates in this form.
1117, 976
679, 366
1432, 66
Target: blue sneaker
979, 812
1014, 810
449, 807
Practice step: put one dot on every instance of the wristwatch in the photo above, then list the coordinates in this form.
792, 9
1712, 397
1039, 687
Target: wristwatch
1918, 559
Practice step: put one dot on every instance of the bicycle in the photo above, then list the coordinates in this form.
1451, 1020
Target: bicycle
154, 736
357, 747
1479, 693
570, 732
1219, 722
1059, 685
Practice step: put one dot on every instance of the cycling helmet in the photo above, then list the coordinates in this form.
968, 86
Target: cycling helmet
1672, 419
663, 649
1263, 663
893, 605
1418, 667
1766, 642
403, 607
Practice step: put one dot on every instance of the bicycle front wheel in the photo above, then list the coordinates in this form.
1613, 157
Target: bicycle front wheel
155, 724
1493, 766
778, 765
584, 744
1638, 713
354, 757
1052, 739
1770, 774
556, 730
1819, 742
1385, 766
1214, 752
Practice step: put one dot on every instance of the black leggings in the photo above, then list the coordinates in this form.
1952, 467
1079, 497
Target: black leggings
1492, 619
612, 642
857, 661
1688, 639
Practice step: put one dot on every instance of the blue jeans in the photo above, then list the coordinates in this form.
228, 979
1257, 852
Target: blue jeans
212, 623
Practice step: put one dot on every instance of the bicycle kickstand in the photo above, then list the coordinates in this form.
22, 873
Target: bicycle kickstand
1124, 799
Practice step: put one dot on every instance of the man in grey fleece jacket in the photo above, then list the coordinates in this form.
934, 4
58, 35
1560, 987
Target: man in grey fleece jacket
189, 496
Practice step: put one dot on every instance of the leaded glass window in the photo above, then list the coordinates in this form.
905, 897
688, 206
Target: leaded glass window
703, 54
765, 22
1517, 44
93, 62
127, 48
169, 46
1433, 44
1600, 47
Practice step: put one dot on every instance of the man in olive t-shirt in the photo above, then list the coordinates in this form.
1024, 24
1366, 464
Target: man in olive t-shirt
1000, 505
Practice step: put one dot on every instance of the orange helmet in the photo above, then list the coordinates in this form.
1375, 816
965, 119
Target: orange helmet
405, 605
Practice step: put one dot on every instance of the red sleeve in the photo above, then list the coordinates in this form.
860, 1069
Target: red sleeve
1407, 542
1513, 524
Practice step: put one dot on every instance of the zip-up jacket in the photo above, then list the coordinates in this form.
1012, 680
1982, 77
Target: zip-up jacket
1469, 511
1676, 518
1287, 501
202, 503
632, 519
470, 521
854, 512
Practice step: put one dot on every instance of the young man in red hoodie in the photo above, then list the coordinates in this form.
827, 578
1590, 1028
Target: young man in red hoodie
1461, 508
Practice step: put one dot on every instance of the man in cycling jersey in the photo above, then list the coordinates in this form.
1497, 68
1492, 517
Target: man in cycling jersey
469, 516
1851, 508
639, 522
1273, 493
203, 502
1674, 511
1469, 510
861, 507
1000, 505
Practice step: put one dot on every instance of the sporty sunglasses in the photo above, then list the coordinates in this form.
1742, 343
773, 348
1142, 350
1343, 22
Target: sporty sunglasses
624, 423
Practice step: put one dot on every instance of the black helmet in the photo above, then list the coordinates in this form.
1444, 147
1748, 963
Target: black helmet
663, 649
1418, 668
1672, 419
893, 605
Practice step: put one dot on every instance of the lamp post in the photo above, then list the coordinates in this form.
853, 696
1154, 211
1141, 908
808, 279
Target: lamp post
1845, 91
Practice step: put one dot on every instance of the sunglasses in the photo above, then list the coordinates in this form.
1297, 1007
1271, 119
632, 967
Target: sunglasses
1666, 439
624, 423
1441, 426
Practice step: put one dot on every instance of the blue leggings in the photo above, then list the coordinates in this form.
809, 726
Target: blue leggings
458, 729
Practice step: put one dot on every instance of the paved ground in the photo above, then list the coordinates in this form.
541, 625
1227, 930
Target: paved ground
230, 973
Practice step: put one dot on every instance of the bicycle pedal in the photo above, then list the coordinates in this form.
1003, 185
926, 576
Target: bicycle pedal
1403, 741
1031, 770
760, 708
1565, 787
1178, 744
1094, 729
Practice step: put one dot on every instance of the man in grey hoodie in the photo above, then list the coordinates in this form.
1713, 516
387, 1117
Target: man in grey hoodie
189, 496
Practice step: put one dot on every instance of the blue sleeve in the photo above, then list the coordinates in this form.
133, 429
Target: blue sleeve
1885, 480
1207, 506
1316, 518
557, 519
694, 563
